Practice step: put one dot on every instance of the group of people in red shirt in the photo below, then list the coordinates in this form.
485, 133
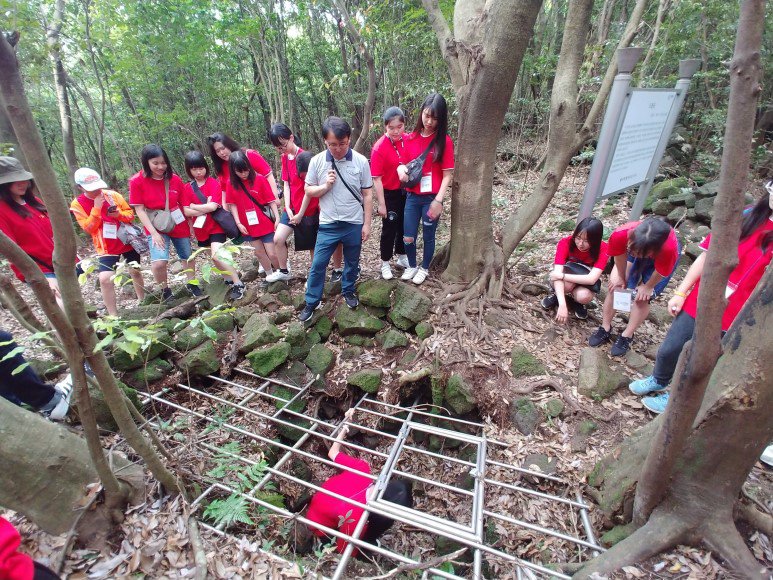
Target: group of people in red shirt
645, 255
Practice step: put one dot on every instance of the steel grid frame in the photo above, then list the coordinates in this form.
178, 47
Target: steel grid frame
470, 535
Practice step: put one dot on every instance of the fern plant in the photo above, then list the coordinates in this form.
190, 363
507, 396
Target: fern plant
235, 508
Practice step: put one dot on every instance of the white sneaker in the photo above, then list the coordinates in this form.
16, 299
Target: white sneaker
402, 260
261, 269
64, 391
409, 274
386, 271
277, 276
420, 276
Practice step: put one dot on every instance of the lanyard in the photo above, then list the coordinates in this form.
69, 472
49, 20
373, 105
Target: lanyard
402, 146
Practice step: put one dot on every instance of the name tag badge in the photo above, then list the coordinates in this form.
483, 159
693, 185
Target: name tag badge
110, 231
426, 184
622, 300
252, 217
730, 288
178, 216
199, 221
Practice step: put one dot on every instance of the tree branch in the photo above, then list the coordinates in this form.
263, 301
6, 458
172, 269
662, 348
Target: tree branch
446, 41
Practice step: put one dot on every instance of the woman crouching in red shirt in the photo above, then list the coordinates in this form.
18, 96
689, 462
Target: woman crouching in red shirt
24, 219
580, 260
248, 195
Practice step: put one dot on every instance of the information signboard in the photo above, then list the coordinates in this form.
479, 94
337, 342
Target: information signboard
637, 139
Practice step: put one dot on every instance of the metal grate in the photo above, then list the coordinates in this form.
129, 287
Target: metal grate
407, 425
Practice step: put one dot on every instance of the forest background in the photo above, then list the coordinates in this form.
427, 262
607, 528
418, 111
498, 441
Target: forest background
104, 78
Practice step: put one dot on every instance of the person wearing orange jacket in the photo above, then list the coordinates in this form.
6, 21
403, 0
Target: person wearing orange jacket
100, 212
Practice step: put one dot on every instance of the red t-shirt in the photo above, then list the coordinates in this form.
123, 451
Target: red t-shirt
565, 254
261, 191
331, 511
151, 193
259, 164
416, 144
385, 156
13, 564
210, 189
751, 266
113, 246
32, 233
297, 185
665, 259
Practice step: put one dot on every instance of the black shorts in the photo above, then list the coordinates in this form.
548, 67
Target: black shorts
107, 262
216, 238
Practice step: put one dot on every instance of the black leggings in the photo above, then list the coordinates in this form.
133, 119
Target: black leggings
24, 387
398, 491
392, 230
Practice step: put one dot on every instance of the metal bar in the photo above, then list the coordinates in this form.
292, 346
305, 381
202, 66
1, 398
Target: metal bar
439, 456
440, 432
275, 381
433, 482
547, 496
529, 471
478, 507
537, 528
586, 525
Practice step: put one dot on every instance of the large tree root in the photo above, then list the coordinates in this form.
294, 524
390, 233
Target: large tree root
722, 537
661, 532
751, 515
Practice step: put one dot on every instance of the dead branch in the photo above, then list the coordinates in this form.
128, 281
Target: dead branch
431, 563
414, 376
199, 555
184, 310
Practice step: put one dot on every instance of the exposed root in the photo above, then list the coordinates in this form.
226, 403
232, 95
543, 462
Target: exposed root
431, 563
722, 537
750, 514
415, 376
199, 555
661, 532
184, 310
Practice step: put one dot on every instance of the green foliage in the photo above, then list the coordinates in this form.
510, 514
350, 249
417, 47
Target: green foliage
233, 509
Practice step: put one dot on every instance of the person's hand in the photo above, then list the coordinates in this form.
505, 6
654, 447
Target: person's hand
114, 211
349, 414
643, 293
615, 283
242, 229
382, 211
211, 206
435, 210
562, 314
296, 219
556, 276
158, 240
289, 213
99, 201
402, 173
675, 305
331, 179
365, 231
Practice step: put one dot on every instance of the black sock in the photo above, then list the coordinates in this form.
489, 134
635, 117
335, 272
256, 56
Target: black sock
284, 270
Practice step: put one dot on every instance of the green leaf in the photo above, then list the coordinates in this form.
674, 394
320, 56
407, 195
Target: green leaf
19, 369
234, 508
13, 353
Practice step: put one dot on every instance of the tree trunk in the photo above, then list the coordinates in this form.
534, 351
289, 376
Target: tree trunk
483, 59
7, 136
60, 80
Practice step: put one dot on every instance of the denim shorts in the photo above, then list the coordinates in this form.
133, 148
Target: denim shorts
213, 239
265, 238
107, 262
181, 245
49, 275
642, 269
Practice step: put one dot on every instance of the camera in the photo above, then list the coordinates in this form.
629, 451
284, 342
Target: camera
392, 216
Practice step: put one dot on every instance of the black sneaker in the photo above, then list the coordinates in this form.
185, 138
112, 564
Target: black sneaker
194, 290
166, 295
599, 337
359, 274
351, 300
549, 302
236, 292
336, 275
580, 310
308, 311
263, 284
622, 345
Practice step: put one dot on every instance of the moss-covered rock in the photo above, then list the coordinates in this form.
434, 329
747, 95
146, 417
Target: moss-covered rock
219, 321
188, 338
201, 361
242, 315
295, 334
410, 306
217, 292
265, 360
525, 364
102, 412
459, 395
294, 372
258, 331
525, 415
281, 316
356, 321
278, 287
369, 380
377, 292
320, 360
554, 408
424, 330
47, 369
154, 370
124, 361
351, 353
392, 339
324, 327
301, 351
284, 395
668, 187
359, 340
597, 378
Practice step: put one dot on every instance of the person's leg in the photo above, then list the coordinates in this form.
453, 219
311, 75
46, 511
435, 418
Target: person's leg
25, 386
412, 217
261, 254
327, 243
227, 269
399, 208
159, 259
132, 257
681, 330
428, 229
639, 313
582, 295
351, 240
182, 246
107, 287
283, 232
399, 492
54, 285
388, 226
338, 257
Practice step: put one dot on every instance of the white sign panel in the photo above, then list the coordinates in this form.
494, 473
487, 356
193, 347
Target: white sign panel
641, 129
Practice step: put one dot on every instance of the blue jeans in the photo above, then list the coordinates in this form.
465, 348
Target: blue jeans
328, 238
681, 330
181, 245
25, 386
416, 207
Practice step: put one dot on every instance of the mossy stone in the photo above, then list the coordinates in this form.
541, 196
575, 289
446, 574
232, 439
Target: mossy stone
554, 408
320, 360
201, 361
410, 306
351, 352
324, 327
258, 331
525, 364
359, 340
220, 321
282, 316
295, 334
265, 360
377, 292
369, 380
392, 339
154, 370
424, 330
356, 321
597, 378
302, 350
242, 315
285, 394
123, 361
102, 412
525, 415
188, 338
459, 395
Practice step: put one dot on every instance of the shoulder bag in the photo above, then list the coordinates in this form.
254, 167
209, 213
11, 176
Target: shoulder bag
222, 217
162, 218
416, 167
266, 209
349, 187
